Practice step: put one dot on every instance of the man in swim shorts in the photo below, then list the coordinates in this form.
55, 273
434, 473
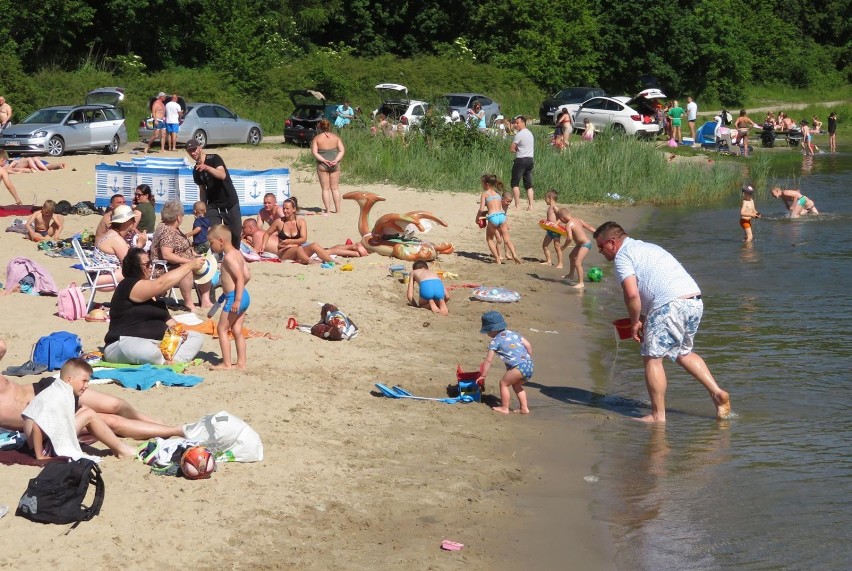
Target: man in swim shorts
796, 202
234, 274
173, 112
432, 293
158, 116
665, 308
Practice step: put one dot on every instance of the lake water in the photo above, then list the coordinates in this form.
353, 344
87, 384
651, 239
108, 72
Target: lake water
771, 489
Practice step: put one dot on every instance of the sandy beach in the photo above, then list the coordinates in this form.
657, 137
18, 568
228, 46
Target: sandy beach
350, 480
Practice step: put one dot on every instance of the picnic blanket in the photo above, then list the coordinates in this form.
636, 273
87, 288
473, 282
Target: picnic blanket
143, 377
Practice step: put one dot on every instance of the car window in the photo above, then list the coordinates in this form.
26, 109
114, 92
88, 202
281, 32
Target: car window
595, 103
417, 110
46, 116
484, 101
112, 114
613, 105
79, 116
458, 101
206, 111
95, 116
223, 113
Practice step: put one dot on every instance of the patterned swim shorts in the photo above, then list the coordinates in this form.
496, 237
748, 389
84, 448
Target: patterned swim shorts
669, 330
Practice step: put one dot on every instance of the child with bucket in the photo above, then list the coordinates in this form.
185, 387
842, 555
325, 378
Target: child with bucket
516, 353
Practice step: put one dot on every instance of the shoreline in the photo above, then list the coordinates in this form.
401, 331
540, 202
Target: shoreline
349, 479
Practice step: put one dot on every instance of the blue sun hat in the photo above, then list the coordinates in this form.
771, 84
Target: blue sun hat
492, 321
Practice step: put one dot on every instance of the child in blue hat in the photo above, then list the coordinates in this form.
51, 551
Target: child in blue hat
516, 353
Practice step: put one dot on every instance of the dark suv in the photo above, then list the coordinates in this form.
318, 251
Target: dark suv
310, 108
568, 96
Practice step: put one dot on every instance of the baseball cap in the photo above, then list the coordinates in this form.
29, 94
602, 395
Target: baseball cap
162, 94
748, 188
191, 145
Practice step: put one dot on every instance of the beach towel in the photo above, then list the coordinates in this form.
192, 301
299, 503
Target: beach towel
19, 267
17, 210
146, 376
53, 410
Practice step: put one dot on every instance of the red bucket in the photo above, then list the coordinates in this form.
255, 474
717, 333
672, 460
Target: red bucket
623, 328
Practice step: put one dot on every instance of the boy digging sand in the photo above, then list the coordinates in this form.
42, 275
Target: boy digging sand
549, 235
235, 274
44, 224
516, 353
432, 293
53, 419
576, 231
748, 212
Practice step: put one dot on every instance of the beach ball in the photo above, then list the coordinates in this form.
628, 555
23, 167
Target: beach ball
197, 463
595, 274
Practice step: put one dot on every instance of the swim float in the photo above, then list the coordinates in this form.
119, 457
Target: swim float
552, 227
496, 294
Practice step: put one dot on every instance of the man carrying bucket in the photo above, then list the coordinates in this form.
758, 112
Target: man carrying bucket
665, 308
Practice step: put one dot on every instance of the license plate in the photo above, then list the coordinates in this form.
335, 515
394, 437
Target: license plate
13, 143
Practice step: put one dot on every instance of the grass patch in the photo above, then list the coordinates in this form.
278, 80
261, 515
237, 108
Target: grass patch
610, 169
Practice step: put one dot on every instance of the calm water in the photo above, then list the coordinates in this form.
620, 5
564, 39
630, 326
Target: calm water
771, 489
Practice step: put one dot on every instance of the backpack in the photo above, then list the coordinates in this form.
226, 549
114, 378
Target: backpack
56, 495
71, 303
54, 349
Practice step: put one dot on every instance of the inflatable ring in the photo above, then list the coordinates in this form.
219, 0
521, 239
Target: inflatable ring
552, 227
496, 294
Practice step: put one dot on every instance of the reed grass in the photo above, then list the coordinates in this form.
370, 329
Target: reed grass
610, 169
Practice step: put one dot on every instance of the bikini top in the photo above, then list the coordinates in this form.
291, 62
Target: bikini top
283, 235
493, 197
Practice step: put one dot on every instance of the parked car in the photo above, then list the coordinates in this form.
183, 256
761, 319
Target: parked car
210, 124
461, 102
310, 108
60, 129
627, 115
570, 96
397, 106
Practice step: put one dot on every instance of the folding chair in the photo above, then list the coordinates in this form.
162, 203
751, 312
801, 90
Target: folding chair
164, 266
93, 273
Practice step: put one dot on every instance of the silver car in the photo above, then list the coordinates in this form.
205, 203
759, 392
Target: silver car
57, 130
210, 124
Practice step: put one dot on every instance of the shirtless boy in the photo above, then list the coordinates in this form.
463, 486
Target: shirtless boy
158, 114
431, 291
549, 235
235, 274
44, 224
576, 229
796, 202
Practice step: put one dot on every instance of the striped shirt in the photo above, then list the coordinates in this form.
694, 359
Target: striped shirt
660, 277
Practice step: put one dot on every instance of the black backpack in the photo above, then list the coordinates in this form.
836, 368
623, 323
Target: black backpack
56, 495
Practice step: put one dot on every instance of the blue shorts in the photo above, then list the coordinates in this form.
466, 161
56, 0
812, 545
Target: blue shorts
496, 218
526, 369
228, 298
159, 124
432, 289
669, 330
553, 235
172, 127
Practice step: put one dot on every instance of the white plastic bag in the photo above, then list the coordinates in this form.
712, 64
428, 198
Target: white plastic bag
228, 437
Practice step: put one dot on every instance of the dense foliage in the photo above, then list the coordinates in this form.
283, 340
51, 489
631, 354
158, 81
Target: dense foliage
710, 48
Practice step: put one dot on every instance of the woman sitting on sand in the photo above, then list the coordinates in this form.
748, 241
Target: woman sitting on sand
27, 164
171, 245
292, 233
111, 248
138, 320
267, 215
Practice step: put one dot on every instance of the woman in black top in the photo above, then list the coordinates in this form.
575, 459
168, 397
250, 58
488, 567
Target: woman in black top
138, 321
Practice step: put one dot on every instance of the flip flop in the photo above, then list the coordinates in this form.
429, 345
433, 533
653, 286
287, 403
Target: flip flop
28, 368
387, 392
147, 452
292, 323
448, 545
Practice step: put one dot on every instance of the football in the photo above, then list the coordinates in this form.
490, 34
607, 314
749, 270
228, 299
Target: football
197, 463
595, 274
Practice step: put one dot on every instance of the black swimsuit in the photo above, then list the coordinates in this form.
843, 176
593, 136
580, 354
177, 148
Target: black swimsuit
283, 236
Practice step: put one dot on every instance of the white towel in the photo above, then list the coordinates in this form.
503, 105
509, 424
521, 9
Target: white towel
53, 411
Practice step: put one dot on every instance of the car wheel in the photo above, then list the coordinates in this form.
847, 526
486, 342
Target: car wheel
113, 146
254, 136
618, 129
200, 137
56, 146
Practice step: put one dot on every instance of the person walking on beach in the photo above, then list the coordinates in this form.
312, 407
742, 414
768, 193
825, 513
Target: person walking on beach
691, 116
491, 203
158, 117
832, 132
5, 113
665, 308
173, 113
523, 146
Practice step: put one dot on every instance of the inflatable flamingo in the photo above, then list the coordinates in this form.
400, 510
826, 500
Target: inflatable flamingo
387, 236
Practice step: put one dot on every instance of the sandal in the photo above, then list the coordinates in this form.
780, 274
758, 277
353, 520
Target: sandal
28, 368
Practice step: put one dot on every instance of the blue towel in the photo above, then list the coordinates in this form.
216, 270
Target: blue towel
146, 376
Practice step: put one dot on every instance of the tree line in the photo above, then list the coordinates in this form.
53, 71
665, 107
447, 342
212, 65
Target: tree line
709, 48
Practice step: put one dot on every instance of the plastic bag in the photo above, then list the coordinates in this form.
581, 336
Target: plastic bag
175, 335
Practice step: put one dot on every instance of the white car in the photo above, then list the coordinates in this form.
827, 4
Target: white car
625, 115
397, 106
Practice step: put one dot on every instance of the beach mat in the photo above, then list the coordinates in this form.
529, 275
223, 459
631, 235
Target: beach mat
16, 210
